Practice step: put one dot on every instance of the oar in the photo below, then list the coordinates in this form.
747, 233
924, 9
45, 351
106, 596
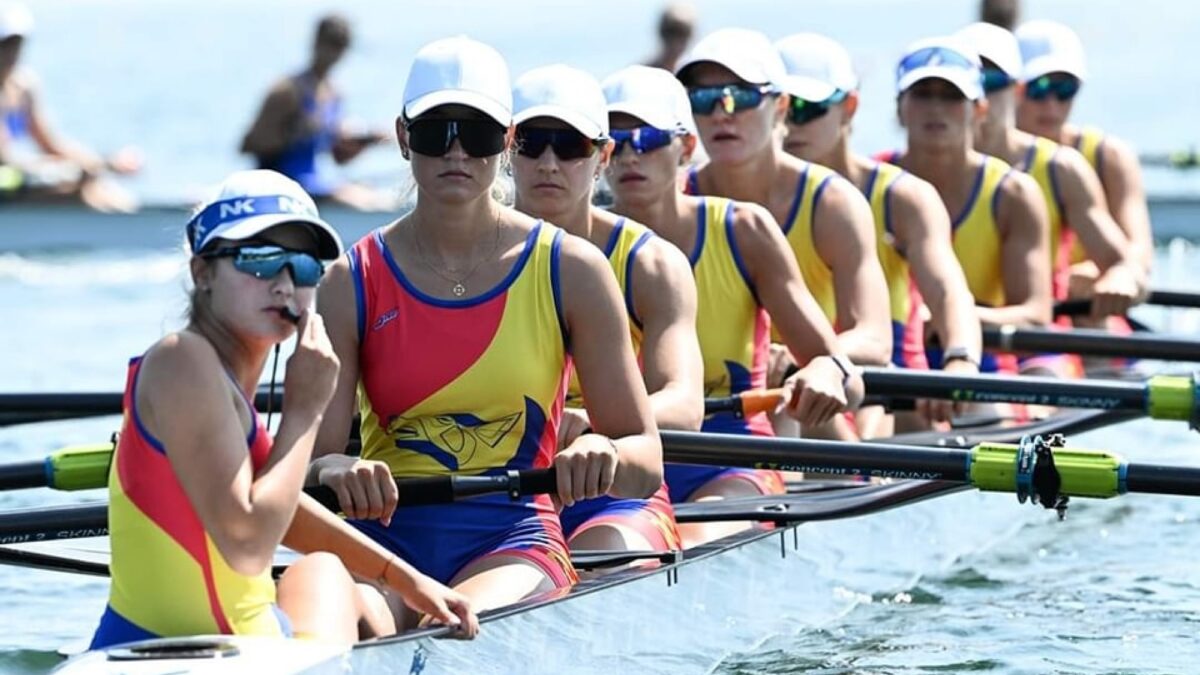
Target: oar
1091, 342
1180, 159
1162, 397
91, 520
1161, 298
28, 408
1035, 468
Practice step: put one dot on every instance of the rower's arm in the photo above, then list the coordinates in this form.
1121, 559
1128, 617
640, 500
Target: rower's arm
1122, 279
1121, 176
337, 306
776, 279
185, 401
922, 228
1025, 254
844, 237
50, 142
277, 124
616, 400
664, 299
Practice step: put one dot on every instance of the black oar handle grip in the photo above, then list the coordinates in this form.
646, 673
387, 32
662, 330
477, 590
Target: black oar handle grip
445, 489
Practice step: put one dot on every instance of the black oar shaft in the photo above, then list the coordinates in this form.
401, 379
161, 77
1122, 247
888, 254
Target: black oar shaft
91, 520
1163, 480
20, 476
835, 457
1092, 343
1049, 391
56, 522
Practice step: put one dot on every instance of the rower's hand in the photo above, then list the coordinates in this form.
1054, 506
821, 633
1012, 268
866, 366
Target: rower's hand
1115, 291
585, 469
574, 424
441, 605
941, 410
127, 160
779, 361
312, 370
814, 394
365, 488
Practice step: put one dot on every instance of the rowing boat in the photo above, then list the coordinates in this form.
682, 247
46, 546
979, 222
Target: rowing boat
706, 603
31, 228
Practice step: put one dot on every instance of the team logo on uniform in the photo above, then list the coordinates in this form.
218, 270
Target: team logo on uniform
453, 440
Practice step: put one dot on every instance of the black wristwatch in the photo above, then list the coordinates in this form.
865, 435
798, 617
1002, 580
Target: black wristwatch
960, 354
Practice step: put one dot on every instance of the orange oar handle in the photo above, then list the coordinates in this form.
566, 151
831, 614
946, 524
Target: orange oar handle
760, 400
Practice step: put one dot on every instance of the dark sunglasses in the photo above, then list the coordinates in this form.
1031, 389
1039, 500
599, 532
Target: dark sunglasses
995, 80
802, 111
1062, 88
567, 144
732, 97
642, 139
433, 137
266, 261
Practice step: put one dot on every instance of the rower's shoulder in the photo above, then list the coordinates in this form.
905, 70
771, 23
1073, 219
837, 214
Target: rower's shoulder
912, 197
182, 358
661, 263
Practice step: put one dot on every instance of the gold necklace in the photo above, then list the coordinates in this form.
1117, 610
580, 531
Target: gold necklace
458, 288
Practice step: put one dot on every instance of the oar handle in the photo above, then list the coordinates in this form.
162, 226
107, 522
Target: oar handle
746, 403
445, 489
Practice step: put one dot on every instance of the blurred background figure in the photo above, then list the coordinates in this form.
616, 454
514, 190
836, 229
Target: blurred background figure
300, 123
35, 162
675, 29
1003, 13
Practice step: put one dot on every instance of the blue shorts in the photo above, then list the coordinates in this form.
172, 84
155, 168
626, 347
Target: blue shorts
440, 540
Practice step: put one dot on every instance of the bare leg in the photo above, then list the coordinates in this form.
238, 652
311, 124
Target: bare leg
323, 601
499, 580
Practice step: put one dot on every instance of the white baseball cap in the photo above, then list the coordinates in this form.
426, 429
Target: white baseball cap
249, 202
1050, 47
460, 71
942, 58
564, 93
15, 20
995, 44
652, 95
747, 53
816, 67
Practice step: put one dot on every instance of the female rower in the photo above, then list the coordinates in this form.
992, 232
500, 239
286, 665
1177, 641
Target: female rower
200, 493
562, 146
733, 78
743, 271
912, 228
1053, 72
458, 324
999, 227
1072, 193
35, 161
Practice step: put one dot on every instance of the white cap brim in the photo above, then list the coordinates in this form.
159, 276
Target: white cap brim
744, 71
960, 78
1053, 63
484, 104
576, 119
808, 88
329, 243
648, 114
